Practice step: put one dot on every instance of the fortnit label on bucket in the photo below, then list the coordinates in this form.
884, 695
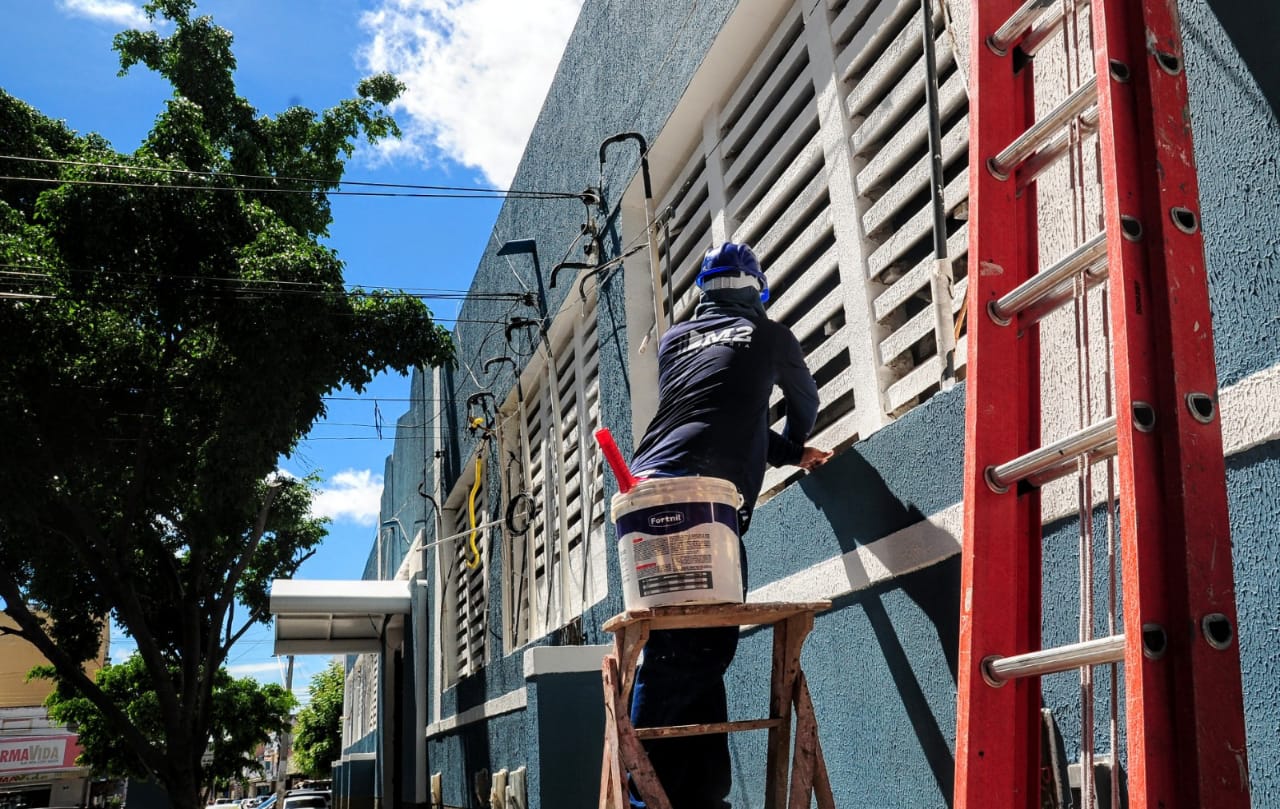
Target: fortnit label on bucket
673, 518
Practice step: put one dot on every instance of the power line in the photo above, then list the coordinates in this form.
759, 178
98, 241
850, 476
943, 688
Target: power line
17, 270
21, 274
490, 193
249, 189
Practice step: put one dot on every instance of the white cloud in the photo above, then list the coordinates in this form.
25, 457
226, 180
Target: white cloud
477, 72
354, 495
247, 669
118, 12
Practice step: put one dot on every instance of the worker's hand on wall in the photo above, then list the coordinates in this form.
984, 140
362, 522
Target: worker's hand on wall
813, 458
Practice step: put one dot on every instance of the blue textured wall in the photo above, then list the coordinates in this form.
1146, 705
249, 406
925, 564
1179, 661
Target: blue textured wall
568, 737
881, 664
497, 744
1238, 160
896, 477
1254, 481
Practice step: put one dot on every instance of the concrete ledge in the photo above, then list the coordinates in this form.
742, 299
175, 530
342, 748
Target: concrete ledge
542, 660
357, 757
507, 703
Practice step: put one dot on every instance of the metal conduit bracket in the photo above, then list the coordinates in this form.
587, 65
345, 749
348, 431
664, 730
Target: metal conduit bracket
650, 222
495, 360
591, 196
521, 323
567, 265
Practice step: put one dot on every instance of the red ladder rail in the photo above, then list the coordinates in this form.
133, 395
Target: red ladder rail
1000, 568
1186, 729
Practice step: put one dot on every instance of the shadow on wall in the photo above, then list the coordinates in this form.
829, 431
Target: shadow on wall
474, 738
872, 512
1253, 29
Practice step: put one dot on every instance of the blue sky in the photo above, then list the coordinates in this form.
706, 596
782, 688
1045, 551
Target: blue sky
477, 71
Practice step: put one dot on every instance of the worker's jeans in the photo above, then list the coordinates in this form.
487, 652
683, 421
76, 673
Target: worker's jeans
681, 682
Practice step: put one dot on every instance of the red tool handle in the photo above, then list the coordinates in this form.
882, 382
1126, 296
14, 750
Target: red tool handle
611, 454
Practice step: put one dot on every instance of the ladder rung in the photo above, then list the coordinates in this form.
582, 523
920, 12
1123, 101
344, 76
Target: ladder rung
999, 670
1041, 132
1069, 465
673, 731
1016, 25
1044, 28
1090, 257
1051, 152
1091, 438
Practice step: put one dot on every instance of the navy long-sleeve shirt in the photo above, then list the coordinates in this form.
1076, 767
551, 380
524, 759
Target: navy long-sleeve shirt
716, 372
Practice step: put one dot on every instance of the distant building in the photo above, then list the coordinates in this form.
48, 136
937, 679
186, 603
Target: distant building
37, 756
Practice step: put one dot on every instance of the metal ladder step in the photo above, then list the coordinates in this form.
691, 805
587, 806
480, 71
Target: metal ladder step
1042, 131
1045, 28
999, 670
1018, 24
1044, 291
1092, 438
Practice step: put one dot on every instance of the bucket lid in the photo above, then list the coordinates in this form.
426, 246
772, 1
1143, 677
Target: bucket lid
686, 489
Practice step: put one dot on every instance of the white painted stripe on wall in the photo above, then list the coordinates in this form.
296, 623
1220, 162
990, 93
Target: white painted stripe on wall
1250, 416
1249, 419
349, 757
508, 702
917, 546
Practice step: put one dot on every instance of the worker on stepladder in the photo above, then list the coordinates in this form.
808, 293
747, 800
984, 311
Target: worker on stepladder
716, 372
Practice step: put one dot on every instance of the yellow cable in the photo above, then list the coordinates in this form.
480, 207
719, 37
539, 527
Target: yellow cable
474, 562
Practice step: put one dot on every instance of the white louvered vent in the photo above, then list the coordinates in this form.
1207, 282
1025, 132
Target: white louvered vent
465, 589
885, 72
558, 564
361, 691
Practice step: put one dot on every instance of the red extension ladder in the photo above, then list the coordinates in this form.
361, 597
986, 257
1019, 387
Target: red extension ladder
1184, 722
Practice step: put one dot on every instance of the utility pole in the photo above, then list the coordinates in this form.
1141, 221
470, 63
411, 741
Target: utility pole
286, 743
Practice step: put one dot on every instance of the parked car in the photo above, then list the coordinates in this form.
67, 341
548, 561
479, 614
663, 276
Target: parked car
309, 800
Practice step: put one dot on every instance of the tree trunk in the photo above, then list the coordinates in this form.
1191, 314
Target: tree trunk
182, 783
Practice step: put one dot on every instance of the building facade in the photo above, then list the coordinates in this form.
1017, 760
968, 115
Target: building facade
801, 128
37, 755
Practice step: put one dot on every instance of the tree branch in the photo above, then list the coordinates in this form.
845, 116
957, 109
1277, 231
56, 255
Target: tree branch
215, 653
251, 547
125, 600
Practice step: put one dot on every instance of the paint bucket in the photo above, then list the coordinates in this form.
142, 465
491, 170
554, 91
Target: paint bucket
678, 542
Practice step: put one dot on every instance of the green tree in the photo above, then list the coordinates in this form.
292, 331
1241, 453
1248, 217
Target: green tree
170, 327
317, 732
244, 714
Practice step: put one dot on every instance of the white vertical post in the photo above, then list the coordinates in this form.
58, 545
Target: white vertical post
835, 131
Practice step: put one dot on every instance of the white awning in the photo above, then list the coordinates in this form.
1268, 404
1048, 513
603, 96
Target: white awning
334, 617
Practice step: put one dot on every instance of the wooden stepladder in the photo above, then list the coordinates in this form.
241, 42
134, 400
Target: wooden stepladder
788, 698
1155, 437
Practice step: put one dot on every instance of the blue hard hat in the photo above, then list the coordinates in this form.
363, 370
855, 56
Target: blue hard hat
731, 257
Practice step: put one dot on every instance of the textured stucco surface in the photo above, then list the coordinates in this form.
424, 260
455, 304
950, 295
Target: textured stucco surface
1238, 161
1254, 500
569, 740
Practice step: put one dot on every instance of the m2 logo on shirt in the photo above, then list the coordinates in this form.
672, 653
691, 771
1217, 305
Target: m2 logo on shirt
732, 336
